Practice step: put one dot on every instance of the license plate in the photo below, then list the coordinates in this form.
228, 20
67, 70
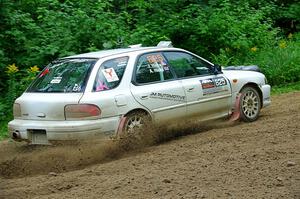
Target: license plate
38, 137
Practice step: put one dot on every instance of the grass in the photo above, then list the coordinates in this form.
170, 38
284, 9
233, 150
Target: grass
285, 88
3, 130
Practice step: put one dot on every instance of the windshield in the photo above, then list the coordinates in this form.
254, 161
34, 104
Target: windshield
63, 76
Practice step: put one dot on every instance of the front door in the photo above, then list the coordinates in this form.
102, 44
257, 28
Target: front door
208, 95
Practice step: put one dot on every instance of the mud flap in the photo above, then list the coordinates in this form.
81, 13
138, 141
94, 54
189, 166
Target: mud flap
236, 114
121, 126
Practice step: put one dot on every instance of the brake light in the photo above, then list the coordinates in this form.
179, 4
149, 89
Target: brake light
82, 111
17, 110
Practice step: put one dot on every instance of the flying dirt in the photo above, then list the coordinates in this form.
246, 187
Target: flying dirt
212, 160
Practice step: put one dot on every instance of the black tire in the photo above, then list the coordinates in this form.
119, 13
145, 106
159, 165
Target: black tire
134, 138
135, 122
250, 104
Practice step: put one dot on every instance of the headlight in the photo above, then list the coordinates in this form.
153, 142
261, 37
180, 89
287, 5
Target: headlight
17, 110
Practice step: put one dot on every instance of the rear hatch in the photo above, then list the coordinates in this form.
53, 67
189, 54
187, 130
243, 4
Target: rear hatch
60, 83
46, 106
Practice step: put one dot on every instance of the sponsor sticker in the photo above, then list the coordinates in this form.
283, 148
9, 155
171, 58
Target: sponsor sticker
121, 61
110, 75
157, 63
213, 85
207, 83
157, 58
56, 80
76, 88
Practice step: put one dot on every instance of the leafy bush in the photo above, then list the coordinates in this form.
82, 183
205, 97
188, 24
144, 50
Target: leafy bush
280, 63
18, 81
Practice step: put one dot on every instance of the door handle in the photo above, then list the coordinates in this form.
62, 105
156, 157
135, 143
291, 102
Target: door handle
143, 97
191, 89
41, 115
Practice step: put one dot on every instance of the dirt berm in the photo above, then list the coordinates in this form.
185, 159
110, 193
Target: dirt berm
211, 160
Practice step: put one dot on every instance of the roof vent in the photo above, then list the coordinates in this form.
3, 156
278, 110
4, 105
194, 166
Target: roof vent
167, 44
135, 46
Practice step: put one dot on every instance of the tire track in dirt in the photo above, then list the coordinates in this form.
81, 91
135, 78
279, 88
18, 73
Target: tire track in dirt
225, 160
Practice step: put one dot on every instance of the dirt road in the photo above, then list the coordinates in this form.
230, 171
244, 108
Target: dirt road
218, 160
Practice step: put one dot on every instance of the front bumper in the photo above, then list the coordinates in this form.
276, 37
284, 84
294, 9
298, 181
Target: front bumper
41, 132
266, 92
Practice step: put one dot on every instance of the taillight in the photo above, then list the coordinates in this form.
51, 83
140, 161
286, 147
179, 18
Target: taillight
82, 111
17, 110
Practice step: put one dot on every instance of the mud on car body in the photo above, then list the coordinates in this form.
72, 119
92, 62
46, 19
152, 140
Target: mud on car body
117, 91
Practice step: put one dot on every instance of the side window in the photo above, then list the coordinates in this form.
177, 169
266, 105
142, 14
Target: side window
186, 65
110, 74
152, 68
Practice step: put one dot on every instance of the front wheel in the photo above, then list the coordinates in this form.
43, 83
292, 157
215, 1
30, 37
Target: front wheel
250, 104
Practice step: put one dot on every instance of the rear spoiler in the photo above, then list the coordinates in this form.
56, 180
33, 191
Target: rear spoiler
247, 68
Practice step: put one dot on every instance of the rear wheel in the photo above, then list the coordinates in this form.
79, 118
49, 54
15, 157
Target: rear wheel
134, 130
250, 104
136, 122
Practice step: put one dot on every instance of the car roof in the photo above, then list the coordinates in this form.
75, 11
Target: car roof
105, 53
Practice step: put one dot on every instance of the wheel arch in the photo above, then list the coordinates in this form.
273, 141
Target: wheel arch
256, 87
139, 110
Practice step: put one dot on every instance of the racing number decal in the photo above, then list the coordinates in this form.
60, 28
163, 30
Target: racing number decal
220, 82
213, 85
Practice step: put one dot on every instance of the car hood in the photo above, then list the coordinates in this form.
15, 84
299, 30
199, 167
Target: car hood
244, 68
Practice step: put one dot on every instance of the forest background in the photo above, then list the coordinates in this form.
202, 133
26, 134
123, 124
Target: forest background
226, 32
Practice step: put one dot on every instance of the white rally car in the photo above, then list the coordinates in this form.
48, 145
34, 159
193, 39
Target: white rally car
112, 92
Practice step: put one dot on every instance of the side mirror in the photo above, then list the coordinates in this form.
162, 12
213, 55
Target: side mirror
217, 69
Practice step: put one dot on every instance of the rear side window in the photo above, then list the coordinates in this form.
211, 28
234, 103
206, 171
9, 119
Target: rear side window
152, 68
186, 65
63, 76
110, 74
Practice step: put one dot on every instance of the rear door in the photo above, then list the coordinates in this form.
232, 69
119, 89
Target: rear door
208, 95
154, 86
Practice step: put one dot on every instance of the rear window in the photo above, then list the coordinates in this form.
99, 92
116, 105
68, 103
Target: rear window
63, 76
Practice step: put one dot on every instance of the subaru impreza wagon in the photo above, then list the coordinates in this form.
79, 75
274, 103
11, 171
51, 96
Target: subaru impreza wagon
112, 92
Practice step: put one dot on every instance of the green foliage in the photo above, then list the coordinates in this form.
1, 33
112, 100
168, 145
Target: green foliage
18, 81
280, 63
228, 32
36, 32
3, 129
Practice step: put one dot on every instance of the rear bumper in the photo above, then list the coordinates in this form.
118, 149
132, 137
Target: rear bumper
62, 130
266, 92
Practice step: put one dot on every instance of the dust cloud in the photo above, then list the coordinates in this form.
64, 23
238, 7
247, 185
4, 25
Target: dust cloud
20, 159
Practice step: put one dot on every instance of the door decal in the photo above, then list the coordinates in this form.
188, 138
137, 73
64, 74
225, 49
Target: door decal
213, 85
166, 96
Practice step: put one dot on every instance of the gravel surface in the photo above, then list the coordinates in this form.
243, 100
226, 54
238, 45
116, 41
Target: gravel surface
214, 160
